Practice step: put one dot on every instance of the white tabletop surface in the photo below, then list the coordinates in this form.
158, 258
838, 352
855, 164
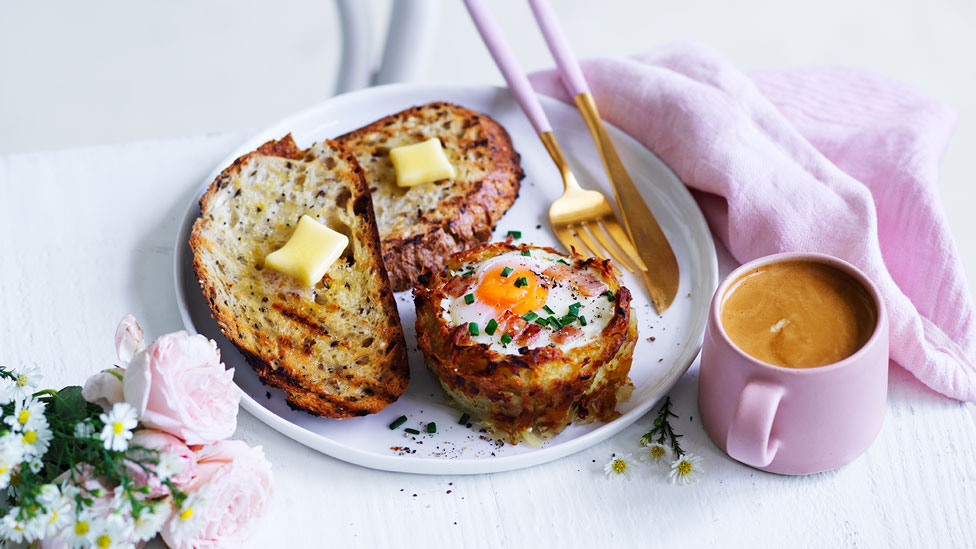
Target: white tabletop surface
86, 235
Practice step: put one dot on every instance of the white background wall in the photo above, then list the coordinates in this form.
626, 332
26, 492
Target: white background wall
76, 73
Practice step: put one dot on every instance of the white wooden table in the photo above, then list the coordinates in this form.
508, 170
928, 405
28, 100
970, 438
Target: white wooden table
87, 235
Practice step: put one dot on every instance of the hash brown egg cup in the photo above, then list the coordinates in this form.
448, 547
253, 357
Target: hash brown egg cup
527, 340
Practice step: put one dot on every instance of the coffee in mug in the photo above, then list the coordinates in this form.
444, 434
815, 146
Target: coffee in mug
798, 314
794, 365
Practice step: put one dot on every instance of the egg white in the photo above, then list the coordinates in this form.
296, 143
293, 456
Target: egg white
597, 310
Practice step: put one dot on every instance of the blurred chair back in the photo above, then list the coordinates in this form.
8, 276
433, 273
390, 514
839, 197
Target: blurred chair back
409, 41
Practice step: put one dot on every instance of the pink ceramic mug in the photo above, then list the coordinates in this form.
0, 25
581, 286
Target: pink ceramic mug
792, 420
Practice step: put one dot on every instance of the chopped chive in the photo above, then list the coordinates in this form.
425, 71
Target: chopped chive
542, 321
515, 234
577, 305
548, 310
610, 296
465, 417
490, 328
530, 316
527, 253
412, 431
582, 320
468, 273
507, 271
554, 322
521, 281
469, 299
398, 422
473, 328
563, 261
506, 339
431, 427
567, 320
574, 309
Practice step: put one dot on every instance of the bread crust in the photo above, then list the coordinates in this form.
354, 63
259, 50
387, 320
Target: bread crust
531, 395
280, 358
489, 176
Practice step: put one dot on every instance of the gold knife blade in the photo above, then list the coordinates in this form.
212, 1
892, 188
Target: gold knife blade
662, 274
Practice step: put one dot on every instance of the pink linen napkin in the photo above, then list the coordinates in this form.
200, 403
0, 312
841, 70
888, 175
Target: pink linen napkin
836, 161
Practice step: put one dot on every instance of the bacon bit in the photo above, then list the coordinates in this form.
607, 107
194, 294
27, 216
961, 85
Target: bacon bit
511, 323
457, 286
528, 335
580, 280
462, 336
566, 334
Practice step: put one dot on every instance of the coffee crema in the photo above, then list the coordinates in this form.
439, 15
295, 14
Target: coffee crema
798, 314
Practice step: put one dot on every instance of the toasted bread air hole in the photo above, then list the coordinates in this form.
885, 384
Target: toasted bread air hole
368, 342
329, 162
336, 224
342, 199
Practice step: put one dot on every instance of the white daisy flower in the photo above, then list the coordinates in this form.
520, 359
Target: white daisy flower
11, 455
150, 520
185, 523
35, 464
655, 453
113, 532
169, 466
58, 514
686, 469
618, 466
80, 528
84, 429
119, 423
25, 382
13, 529
27, 413
36, 440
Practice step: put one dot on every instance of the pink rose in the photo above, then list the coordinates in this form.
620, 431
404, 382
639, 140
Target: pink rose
172, 452
233, 484
179, 385
104, 388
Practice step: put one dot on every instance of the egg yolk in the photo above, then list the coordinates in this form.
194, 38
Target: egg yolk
502, 293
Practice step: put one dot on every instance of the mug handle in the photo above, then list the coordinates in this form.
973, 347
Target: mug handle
748, 439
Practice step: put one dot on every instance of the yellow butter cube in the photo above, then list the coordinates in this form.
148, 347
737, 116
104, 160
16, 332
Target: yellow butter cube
309, 253
422, 162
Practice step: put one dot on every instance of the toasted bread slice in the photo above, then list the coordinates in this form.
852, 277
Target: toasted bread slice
421, 226
336, 349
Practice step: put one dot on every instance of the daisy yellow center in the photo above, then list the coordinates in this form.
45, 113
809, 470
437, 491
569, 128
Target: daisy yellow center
30, 437
54, 516
81, 528
3, 468
684, 468
21, 380
657, 452
103, 541
187, 513
23, 416
117, 428
619, 466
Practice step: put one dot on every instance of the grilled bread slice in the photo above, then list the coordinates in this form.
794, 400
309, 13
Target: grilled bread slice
336, 349
421, 226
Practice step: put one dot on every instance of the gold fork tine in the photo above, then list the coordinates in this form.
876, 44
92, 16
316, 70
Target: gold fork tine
580, 244
566, 238
618, 235
583, 234
599, 231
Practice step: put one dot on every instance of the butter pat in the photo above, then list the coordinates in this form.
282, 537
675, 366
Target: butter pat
422, 162
309, 253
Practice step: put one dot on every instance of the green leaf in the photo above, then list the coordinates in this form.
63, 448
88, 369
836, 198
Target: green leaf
69, 405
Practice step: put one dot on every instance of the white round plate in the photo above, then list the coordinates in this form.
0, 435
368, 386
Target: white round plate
666, 347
